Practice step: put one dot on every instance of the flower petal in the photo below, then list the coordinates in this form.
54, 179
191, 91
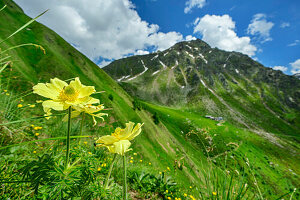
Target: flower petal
130, 132
107, 140
43, 90
121, 147
58, 84
86, 91
135, 132
49, 104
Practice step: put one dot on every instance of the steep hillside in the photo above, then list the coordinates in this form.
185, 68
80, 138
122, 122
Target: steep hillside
215, 82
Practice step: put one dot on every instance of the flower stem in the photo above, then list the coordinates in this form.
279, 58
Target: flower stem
68, 137
109, 172
81, 124
124, 179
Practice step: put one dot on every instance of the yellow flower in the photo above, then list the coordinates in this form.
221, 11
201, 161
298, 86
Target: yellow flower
167, 191
141, 160
34, 151
131, 161
168, 168
37, 134
5, 90
99, 169
169, 197
214, 193
20, 105
85, 142
160, 172
37, 128
191, 187
7, 94
193, 198
119, 141
39, 101
89, 109
50, 149
185, 194
90, 153
149, 163
62, 95
134, 154
32, 106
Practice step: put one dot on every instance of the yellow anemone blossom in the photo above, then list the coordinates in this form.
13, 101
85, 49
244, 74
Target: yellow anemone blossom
119, 141
63, 95
89, 109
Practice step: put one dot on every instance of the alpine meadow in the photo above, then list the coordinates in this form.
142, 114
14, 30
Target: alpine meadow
191, 121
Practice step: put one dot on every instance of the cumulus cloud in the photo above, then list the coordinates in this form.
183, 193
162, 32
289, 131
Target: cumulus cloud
218, 31
190, 37
295, 43
141, 52
281, 68
260, 27
284, 24
190, 4
99, 28
295, 66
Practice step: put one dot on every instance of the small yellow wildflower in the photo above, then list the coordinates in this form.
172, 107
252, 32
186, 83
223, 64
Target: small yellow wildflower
99, 169
37, 134
214, 193
119, 141
134, 154
90, 153
168, 168
193, 198
38, 128
160, 172
85, 142
191, 187
34, 151
75, 147
185, 194
5, 90
32, 106
169, 197
21, 100
167, 191
50, 149
131, 158
149, 163
32, 125
39, 101
141, 160
131, 161
103, 165
7, 94
20, 105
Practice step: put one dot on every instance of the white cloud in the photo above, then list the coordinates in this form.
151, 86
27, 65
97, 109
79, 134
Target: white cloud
295, 66
100, 28
218, 31
295, 43
284, 24
281, 68
141, 52
261, 27
190, 37
190, 4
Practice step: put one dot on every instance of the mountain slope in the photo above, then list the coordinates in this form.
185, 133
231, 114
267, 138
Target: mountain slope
216, 82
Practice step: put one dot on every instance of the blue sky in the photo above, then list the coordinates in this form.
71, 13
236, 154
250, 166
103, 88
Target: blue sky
268, 31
